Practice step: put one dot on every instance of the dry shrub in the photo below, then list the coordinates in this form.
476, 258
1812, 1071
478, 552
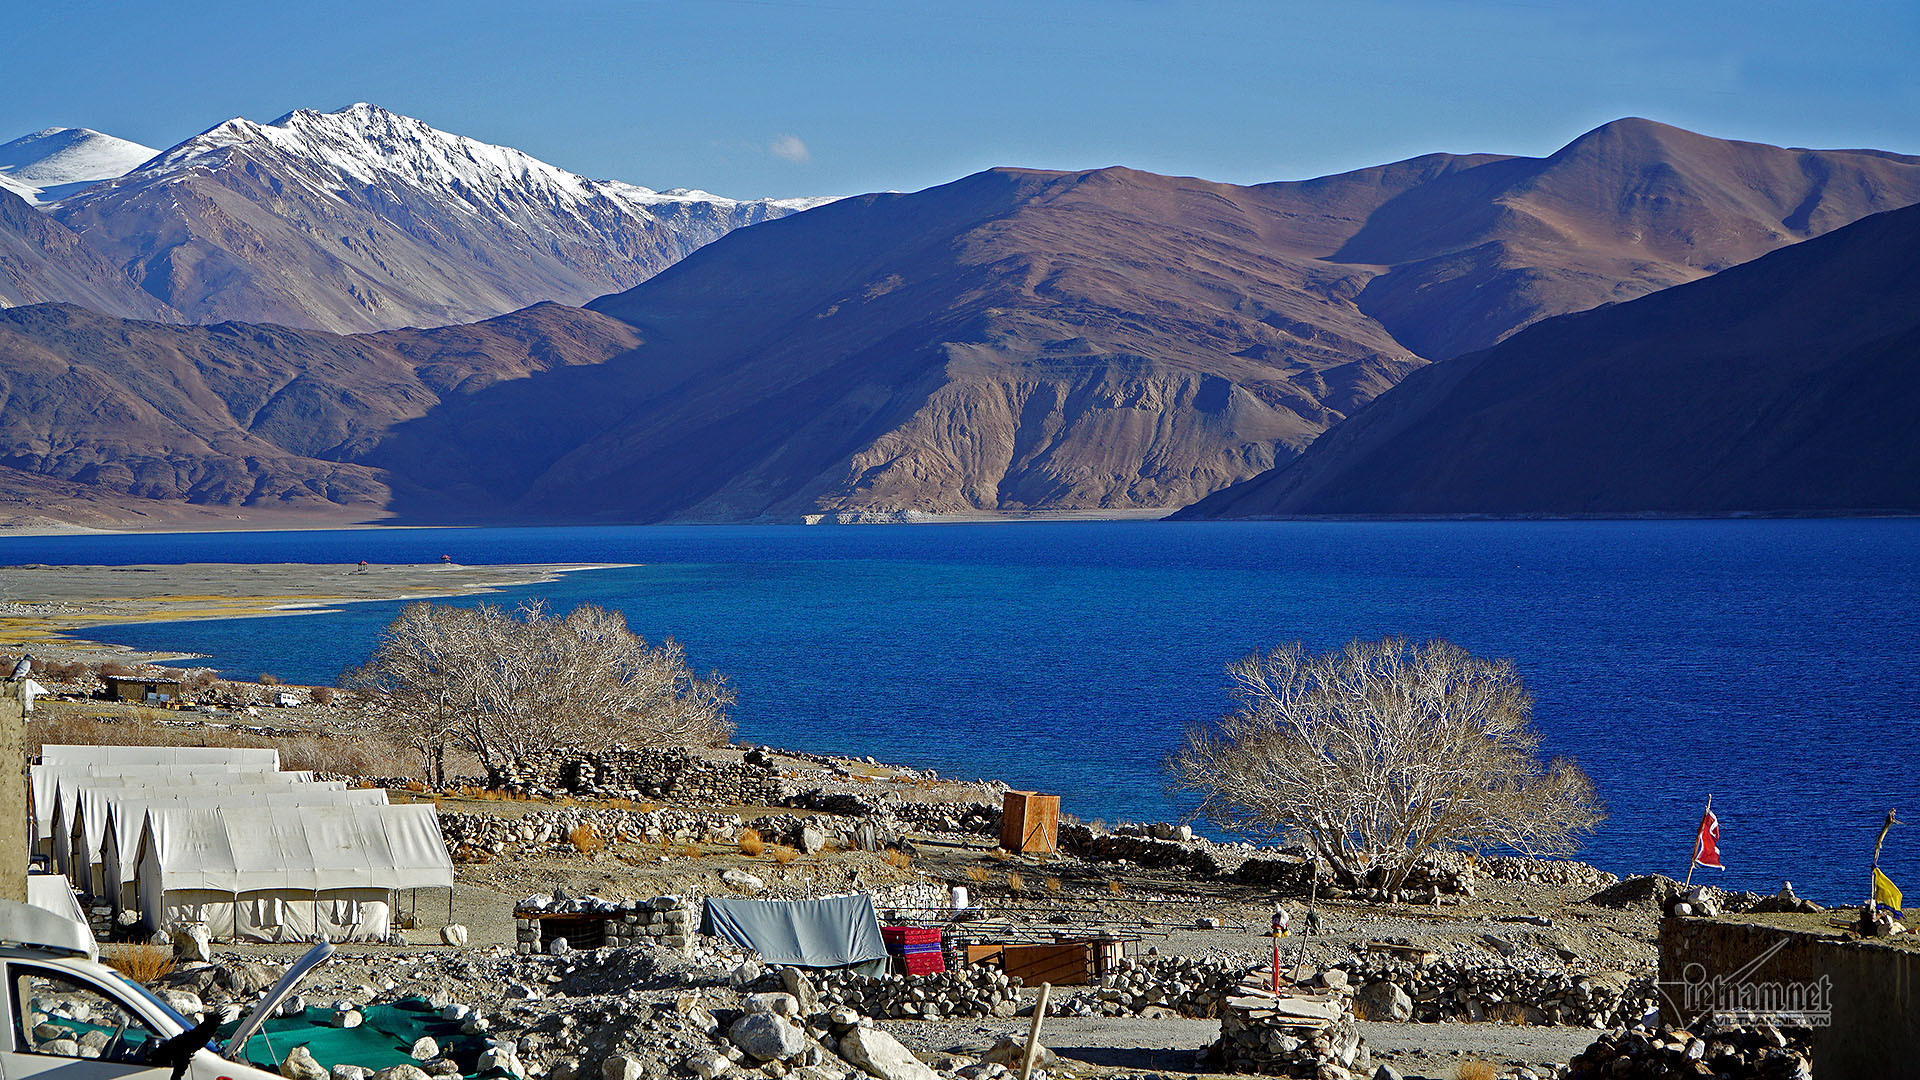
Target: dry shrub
416, 786
897, 859
586, 839
783, 854
979, 874
111, 667
144, 964
692, 851
999, 853
1015, 883
268, 679
1113, 886
323, 695
1510, 1012
64, 670
752, 845
1475, 1070
1053, 885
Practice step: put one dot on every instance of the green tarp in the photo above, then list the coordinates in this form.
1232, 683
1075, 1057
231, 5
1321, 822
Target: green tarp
384, 1038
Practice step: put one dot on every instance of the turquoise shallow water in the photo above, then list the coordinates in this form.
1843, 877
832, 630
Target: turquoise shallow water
1771, 663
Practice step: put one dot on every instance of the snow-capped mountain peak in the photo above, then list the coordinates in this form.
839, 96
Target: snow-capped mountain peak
362, 218
55, 162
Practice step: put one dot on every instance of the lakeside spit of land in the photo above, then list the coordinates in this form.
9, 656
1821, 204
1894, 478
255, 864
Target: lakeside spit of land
48, 609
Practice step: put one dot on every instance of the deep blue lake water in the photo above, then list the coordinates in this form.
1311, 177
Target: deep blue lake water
1770, 663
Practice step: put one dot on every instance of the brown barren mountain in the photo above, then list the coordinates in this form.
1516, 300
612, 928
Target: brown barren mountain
1013, 342
107, 416
1788, 385
43, 261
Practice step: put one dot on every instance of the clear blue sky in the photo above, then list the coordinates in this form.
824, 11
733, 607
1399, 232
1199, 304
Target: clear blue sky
762, 97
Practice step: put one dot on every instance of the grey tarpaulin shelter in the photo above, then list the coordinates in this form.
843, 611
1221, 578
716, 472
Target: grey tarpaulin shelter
831, 932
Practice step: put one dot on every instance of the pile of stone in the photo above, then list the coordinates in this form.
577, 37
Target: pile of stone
670, 775
1561, 872
972, 991
473, 837
665, 920
1437, 878
1476, 987
1761, 1052
1159, 986
1305, 1030
1194, 856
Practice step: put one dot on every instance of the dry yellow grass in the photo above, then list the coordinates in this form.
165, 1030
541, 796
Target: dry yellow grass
979, 874
144, 964
1475, 1070
898, 859
783, 854
999, 853
752, 845
1113, 886
1053, 885
1015, 883
586, 839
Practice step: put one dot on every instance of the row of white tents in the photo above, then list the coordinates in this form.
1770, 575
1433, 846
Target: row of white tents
226, 837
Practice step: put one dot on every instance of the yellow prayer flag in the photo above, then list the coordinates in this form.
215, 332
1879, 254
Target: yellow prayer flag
1884, 893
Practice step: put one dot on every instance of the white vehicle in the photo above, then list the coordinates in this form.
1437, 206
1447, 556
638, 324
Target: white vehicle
74, 1018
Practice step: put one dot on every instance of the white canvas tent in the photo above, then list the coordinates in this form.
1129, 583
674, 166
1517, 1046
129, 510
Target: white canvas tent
93, 812
127, 816
70, 788
110, 760
287, 873
66, 781
51, 891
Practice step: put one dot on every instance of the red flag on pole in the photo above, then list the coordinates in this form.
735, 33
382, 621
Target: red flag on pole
1706, 846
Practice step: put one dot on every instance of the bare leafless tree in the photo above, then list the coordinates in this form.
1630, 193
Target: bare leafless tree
504, 683
1378, 753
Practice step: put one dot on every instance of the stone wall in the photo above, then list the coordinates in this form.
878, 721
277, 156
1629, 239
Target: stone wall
1870, 988
475, 837
671, 775
665, 920
974, 991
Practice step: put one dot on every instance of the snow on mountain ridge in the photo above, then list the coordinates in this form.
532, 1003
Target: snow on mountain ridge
376, 147
364, 219
55, 162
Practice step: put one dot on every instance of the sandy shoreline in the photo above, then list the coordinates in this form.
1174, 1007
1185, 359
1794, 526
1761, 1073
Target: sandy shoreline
48, 609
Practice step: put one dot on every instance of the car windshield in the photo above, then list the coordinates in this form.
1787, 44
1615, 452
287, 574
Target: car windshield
165, 1009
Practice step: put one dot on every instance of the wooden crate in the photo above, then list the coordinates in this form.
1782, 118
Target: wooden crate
1068, 964
1030, 823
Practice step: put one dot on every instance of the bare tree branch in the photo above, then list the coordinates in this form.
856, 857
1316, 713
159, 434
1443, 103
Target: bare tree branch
1373, 755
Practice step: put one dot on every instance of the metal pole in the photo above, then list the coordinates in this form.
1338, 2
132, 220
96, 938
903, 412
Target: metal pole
1033, 1033
1695, 861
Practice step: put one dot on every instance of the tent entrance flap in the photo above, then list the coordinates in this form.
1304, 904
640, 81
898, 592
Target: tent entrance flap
831, 932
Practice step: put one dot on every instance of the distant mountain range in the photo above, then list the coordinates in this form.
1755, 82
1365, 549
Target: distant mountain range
363, 219
1014, 342
1788, 385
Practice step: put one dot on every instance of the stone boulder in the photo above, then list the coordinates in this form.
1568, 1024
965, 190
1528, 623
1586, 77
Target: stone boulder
300, 1065
766, 1037
1383, 1000
880, 1055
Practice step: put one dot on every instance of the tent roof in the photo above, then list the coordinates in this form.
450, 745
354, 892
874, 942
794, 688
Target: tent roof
160, 755
829, 932
47, 781
93, 809
300, 849
127, 816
